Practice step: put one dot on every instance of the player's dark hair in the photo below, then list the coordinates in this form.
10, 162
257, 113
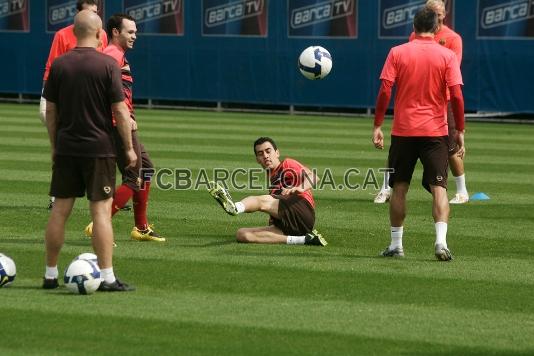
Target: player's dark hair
80, 3
425, 20
115, 21
262, 140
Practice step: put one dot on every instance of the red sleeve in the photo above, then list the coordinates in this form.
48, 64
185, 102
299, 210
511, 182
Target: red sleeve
55, 51
382, 101
456, 47
457, 102
104, 40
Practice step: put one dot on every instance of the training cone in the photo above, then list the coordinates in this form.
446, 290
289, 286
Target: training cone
479, 196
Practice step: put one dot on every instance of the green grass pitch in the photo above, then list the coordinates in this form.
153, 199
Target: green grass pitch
203, 293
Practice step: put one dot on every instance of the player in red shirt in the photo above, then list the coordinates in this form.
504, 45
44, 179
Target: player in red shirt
122, 32
451, 40
289, 203
64, 41
420, 124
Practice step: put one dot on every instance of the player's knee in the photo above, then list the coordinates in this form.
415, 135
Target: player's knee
242, 235
266, 202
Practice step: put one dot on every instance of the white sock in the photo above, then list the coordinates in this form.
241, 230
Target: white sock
460, 184
296, 240
52, 199
385, 184
240, 207
51, 272
396, 237
107, 275
441, 233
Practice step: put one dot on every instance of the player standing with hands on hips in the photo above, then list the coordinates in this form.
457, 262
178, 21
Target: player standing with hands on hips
420, 125
82, 93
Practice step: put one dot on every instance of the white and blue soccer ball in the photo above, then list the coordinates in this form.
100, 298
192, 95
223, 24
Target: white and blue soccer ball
8, 270
89, 256
315, 62
82, 277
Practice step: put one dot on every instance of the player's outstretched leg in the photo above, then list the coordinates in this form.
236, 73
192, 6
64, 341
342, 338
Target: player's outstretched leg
314, 238
221, 195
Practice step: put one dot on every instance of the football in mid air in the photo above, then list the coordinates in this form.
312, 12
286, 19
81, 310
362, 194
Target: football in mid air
315, 62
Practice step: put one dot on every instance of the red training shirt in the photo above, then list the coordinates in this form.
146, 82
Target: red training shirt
422, 70
289, 173
64, 41
448, 39
127, 80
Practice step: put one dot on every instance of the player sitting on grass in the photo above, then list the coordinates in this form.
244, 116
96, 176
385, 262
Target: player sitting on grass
290, 201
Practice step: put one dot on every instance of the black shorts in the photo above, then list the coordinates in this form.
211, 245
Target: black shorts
143, 170
75, 176
433, 153
296, 216
453, 147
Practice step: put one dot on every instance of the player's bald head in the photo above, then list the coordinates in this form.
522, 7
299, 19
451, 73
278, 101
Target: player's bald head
87, 24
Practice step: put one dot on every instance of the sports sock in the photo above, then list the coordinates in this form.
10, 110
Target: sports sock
51, 272
107, 275
240, 207
140, 203
460, 184
396, 237
296, 240
441, 233
122, 194
385, 183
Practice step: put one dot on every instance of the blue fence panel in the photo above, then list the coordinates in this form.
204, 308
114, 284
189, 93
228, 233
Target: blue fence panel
225, 64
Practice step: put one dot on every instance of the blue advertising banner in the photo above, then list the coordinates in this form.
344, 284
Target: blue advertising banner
396, 17
234, 18
14, 15
505, 19
322, 18
157, 17
60, 13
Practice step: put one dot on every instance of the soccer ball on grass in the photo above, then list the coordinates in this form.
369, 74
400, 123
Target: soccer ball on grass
88, 256
8, 270
82, 277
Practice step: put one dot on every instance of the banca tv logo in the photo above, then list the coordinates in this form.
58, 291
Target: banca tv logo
234, 11
154, 10
62, 13
321, 12
506, 13
12, 7
400, 15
